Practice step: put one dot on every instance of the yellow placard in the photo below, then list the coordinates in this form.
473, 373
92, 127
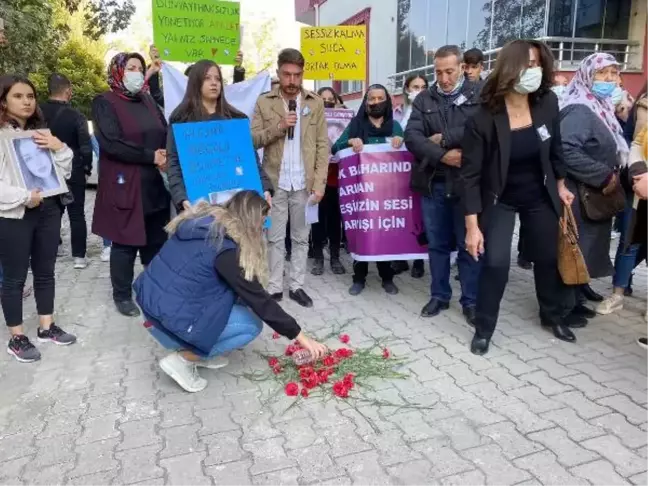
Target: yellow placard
336, 53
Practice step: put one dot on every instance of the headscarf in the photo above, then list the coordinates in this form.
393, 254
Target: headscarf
360, 127
116, 71
579, 92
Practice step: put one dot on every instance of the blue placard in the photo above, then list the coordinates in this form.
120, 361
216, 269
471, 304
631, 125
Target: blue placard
217, 159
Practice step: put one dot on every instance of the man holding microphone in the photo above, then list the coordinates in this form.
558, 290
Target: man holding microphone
289, 124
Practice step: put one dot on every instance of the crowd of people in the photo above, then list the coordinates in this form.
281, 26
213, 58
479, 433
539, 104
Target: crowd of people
518, 141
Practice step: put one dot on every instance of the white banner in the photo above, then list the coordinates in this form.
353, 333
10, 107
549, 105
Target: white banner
242, 96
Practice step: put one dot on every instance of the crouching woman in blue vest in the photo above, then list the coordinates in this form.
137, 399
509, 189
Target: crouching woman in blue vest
202, 295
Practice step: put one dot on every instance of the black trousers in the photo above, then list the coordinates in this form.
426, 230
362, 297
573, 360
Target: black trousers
329, 226
122, 257
34, 238
539, 224
78, 226
361, 269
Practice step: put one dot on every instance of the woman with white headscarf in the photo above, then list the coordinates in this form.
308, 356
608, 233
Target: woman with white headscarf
595, 150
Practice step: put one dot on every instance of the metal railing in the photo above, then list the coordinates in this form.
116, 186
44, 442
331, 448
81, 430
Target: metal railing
568, 53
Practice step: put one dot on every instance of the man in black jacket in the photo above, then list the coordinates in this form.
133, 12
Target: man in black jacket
433, 135
71, 127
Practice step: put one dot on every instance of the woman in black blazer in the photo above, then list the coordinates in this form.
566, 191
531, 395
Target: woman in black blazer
513, 163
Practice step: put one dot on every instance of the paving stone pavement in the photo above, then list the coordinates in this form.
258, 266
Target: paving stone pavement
533, 411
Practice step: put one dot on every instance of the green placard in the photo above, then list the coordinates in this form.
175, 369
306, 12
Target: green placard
191, 30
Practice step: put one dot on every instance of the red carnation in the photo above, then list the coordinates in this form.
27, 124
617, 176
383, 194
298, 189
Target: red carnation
345, 338
340, 390
343, 353
292, 389
311, 382
272, 362
290, 349
304, 392
329, 361
348, 380
306, 372
275, 335
277, 370
323, 376
386, 353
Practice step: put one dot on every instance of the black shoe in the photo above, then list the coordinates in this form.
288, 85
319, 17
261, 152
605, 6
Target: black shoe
301, 298
575, 321
470, 315
336, 267
400, 266
591, 295
560, 330
390, 288
56, 335
582, 311
418, 271
434, 308
288, 256
318, 267
127, 308
356, 288
479, 346
21, 348
524, 264
310, 252
277, 297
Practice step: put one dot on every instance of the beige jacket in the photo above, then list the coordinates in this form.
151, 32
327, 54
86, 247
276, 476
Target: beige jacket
268, 112
641, 114
13, 199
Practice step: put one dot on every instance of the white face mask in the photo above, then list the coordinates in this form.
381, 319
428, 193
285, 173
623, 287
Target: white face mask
133, 81
559, 90
530, 80
411, 96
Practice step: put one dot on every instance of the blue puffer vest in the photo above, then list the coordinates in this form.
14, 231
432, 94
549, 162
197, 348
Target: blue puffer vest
181, 293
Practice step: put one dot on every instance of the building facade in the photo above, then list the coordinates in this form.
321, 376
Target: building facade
404, 34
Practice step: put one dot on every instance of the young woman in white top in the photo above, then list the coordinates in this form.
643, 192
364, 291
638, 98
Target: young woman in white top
30, 224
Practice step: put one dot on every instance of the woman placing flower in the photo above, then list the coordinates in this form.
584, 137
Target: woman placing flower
374, 123
190, 293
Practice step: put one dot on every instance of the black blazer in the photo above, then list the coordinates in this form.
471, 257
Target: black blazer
486, 153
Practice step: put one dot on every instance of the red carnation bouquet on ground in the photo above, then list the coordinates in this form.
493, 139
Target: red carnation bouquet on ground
336, 375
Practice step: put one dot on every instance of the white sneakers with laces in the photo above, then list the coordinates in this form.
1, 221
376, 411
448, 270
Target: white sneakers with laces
80, 263
105, 254
215, 363
611, 304
183, 372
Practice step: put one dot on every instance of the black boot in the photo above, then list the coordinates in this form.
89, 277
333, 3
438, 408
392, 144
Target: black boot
318, 266
559, 328
590, 294
479, 345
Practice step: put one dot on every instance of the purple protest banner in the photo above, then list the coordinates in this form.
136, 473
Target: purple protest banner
382, 218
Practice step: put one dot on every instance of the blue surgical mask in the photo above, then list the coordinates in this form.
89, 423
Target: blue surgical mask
133, 81
617, 96
603, 89
559, 90
530, 80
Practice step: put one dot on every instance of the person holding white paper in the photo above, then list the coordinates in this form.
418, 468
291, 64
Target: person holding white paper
30, 225
204, 100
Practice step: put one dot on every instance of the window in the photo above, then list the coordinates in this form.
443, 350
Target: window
592, 19
351, 87
479, 24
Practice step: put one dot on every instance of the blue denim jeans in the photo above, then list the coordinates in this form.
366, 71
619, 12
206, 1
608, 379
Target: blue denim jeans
242, 328
106, 243
446, 231
625, 261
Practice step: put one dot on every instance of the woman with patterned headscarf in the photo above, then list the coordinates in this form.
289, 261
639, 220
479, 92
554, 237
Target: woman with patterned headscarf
595, 150
132, 205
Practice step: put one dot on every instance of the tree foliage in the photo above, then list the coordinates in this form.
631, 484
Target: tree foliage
103, 16
260, 47
513, 19
410, 53
85, 70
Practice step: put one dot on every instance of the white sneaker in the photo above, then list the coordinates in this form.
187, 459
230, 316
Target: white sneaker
183, 372
213, 363
105, 254
80, 263
611, 304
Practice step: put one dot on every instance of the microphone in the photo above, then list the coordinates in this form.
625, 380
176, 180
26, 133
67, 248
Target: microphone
292, 106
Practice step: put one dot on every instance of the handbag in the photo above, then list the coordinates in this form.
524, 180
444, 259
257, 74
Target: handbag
571, 263
601, 207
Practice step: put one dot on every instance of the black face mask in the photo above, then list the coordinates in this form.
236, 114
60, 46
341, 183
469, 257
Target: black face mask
329, 104
377, 110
